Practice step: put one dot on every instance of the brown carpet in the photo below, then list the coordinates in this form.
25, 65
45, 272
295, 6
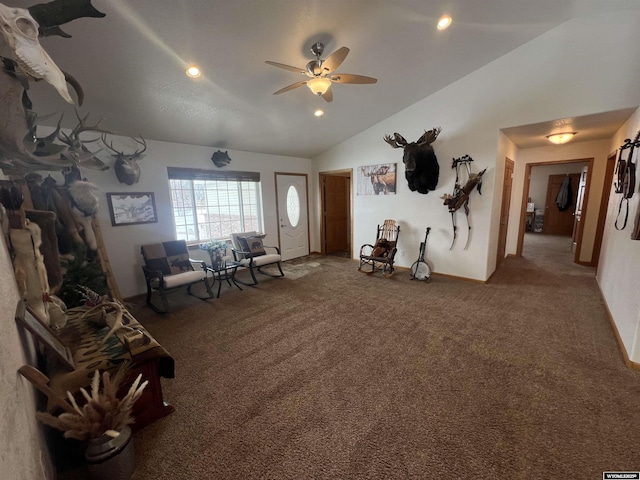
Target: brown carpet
332, 374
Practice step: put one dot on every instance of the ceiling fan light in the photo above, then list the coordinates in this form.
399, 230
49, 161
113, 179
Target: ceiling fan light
319, 85
560, 138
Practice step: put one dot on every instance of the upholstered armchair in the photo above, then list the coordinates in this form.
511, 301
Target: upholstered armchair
249, 251
167, 266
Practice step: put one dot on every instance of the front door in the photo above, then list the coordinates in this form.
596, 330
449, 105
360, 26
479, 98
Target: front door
293, 215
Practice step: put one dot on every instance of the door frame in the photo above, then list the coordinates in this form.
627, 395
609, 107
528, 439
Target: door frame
499, 254
347, 172
306, 182
585, 204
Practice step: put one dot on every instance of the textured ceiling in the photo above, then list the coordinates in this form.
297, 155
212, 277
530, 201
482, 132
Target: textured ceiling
131, 64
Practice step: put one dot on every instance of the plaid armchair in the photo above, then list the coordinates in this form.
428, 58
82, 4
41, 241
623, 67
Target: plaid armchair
167, 266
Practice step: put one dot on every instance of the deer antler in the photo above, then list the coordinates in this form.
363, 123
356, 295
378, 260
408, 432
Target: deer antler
78, 152
120, 154
397, 141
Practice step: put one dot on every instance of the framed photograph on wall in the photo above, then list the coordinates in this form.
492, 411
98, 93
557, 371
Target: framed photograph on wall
376, 179
43, 334
132, 208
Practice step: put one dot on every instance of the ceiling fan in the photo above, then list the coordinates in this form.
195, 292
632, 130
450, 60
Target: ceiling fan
320, 73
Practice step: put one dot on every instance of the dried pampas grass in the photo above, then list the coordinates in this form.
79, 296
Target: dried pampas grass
103, 413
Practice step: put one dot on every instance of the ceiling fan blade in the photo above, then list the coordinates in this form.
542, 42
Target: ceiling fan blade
351, 78
334, 60
328, 95
287, 67
290, 87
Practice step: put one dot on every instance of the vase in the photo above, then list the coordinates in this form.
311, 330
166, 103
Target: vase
217, 259
110, 458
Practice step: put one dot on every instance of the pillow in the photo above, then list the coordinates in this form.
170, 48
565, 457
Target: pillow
253, 245
381, 248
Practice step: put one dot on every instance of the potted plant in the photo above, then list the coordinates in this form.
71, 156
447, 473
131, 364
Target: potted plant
217, 250
103, 424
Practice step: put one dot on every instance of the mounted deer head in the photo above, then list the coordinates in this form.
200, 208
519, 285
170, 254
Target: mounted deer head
126, 166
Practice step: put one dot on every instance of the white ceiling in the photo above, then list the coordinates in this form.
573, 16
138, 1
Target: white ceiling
131, 64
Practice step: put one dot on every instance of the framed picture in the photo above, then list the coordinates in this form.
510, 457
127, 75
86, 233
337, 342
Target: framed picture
43, 334
132, 208
376, 179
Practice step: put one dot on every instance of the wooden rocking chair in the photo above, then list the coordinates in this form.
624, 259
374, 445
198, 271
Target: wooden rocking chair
381, 254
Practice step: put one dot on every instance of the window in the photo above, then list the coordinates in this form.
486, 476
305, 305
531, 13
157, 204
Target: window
210, 204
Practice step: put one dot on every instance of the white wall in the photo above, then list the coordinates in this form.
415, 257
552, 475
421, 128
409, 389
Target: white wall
123, 242
619, 261
23, 453
592, 72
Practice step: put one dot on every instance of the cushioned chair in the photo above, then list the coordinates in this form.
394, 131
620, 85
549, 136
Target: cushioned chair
380, 255
249, 251
168, 266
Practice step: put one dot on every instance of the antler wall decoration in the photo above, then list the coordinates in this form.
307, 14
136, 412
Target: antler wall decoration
20, 150
460, 196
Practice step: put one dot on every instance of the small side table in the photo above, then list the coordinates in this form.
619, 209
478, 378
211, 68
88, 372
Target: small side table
228, 273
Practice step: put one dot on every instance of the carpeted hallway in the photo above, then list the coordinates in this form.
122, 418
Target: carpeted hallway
332, 374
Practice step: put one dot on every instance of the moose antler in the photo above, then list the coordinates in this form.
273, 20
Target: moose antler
397, 141
429, 136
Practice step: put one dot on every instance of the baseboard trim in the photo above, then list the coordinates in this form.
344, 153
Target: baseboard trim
623, 350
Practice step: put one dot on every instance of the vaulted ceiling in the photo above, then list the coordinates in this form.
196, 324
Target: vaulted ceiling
131, 63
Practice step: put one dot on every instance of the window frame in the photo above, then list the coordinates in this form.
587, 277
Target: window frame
239, 181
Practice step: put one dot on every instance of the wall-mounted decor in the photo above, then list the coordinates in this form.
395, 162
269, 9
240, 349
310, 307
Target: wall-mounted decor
376, 179
421, 167
126, 166
132, 208
220, 158
460, 196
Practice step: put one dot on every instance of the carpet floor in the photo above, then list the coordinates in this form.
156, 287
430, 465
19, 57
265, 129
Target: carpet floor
328, 373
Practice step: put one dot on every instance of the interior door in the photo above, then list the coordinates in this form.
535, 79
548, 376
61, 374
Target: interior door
293, 215
336, 195
557, 222
504, 211
577, 218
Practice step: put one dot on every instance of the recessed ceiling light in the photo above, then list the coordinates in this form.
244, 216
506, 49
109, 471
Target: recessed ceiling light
444, 22
193, 72
318, 113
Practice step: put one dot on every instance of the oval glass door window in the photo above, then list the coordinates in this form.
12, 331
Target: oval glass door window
293, 206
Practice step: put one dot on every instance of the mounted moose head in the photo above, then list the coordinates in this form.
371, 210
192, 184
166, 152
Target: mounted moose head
126, 166
421, 165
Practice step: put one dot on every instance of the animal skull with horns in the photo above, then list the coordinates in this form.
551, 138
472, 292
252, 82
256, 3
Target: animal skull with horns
20, 31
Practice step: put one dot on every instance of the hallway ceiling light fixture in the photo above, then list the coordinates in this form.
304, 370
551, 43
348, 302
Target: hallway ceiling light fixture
444, 22
318, 113
560, 138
